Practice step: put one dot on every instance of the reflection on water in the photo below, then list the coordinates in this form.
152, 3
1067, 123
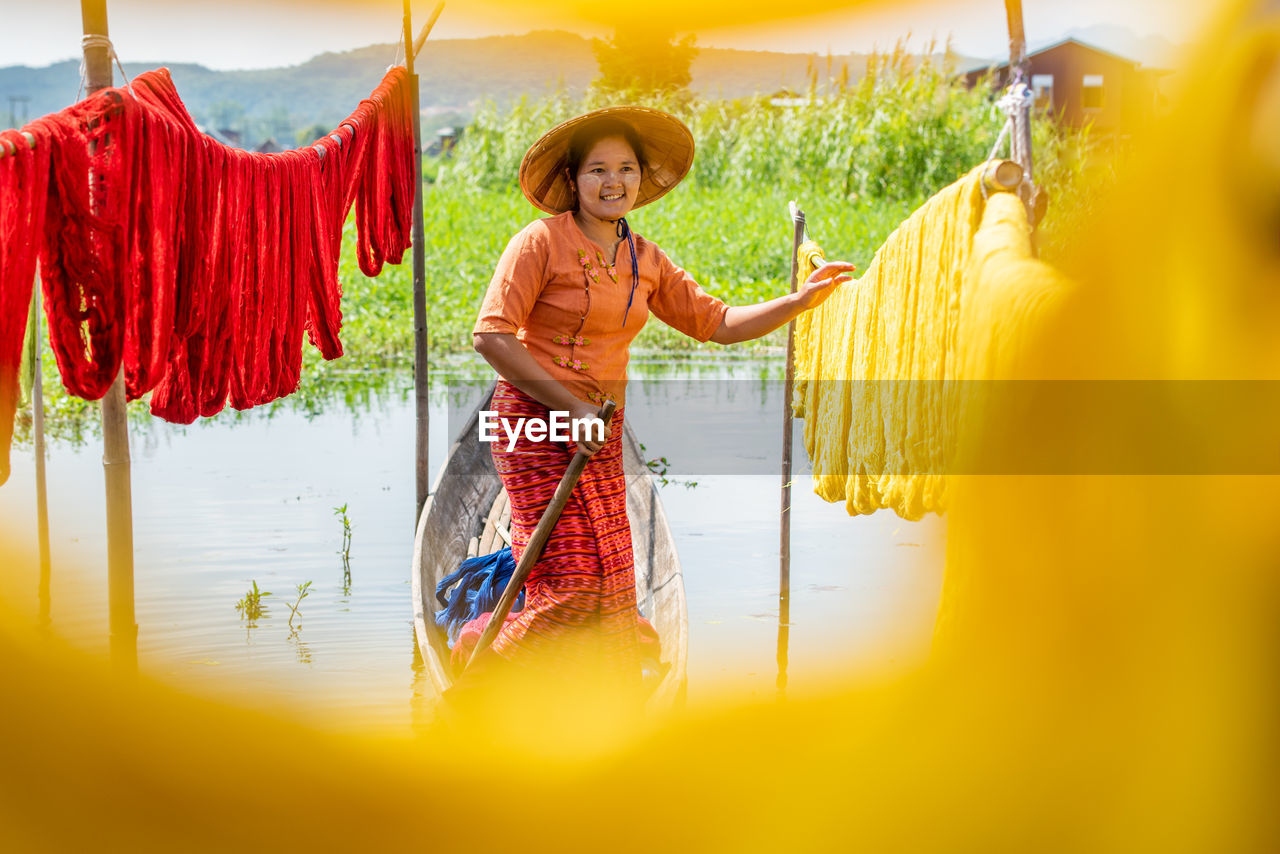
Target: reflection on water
300, 648
247, 497
784, 638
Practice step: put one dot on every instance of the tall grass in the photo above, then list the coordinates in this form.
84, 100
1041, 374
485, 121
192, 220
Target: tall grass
906, 128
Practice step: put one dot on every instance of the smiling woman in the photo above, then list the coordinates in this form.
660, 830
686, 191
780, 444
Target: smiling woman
556, 324
607, 184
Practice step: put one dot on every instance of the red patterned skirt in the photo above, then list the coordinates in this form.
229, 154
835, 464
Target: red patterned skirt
580, 598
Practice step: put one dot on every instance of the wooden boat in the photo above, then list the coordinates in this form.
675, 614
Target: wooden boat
468, 514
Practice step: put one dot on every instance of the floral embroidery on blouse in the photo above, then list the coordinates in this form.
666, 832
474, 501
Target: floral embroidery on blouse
586, 265
609, 268
590, 268
573, 364
576, 340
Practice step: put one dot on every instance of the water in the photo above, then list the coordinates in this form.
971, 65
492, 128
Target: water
251, 497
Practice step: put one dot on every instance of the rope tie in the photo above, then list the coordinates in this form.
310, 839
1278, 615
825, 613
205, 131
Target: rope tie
396, 59
91, 40
1016, 105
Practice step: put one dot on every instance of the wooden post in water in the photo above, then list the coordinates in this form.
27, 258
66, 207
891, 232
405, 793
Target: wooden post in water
422, 468
42, 492
115, 426
784, 544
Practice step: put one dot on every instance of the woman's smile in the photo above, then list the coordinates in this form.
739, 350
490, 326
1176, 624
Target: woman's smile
608, 182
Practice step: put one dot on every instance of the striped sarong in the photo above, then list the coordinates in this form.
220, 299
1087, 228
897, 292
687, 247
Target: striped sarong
580, 597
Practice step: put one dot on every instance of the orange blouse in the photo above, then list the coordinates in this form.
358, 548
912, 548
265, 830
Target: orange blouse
554, 291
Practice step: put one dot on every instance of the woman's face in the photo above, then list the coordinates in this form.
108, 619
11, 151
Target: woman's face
608, 180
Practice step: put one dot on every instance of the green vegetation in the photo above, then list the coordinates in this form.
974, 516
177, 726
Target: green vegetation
250, 606
303, 590
660, 466
345, 551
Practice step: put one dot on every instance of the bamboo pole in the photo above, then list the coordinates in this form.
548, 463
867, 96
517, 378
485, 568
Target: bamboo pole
784, 544
426, 30
1017, 38
42, 492
115, 426
1002, 176
8, 148
422, 445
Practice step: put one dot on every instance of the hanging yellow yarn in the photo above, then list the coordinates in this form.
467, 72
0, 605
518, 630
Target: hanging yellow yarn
875, 364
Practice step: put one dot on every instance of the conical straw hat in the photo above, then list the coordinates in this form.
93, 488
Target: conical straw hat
668, 152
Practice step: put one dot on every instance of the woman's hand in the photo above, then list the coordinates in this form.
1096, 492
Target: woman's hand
747, 322
517, 366
824, 280
590, 441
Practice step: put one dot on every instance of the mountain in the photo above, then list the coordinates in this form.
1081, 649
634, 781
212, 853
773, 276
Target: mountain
456, 75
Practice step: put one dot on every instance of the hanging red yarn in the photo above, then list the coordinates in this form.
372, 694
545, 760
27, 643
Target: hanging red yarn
195, 266
272, 244
24, 179
81, 256
383, 205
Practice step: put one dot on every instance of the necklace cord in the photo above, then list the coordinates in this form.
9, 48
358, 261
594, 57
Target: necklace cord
624, 230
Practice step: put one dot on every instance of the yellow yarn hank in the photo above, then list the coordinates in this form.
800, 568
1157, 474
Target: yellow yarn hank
943, 300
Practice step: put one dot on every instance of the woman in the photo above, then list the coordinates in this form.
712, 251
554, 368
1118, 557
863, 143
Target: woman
567, 298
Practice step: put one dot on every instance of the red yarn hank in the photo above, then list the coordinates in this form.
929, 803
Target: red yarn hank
24, 179
272, 240
196, 267
384, 211
82, 251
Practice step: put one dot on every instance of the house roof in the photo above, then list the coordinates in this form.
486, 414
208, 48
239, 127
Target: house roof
1054, 46
226, 137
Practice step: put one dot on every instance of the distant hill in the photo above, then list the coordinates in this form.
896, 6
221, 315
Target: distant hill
456, 75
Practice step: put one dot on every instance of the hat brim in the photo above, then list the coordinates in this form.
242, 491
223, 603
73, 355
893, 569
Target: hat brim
668, 154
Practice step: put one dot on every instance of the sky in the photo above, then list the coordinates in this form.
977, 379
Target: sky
269, 33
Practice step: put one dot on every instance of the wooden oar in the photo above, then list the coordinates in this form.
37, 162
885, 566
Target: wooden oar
537, 542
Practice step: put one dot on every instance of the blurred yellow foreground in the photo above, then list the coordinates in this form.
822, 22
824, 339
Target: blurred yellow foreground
1105, 677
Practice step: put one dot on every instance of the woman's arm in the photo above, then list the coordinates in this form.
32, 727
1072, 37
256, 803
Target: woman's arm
504, 352
748, 322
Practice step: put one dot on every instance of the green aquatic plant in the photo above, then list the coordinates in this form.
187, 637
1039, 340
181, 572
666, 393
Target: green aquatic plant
250, 605
345, 551
660, 466
303, 590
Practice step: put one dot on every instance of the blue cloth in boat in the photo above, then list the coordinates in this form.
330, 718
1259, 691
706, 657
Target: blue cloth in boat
477, 586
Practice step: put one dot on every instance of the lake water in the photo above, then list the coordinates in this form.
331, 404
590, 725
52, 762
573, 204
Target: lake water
251, 497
